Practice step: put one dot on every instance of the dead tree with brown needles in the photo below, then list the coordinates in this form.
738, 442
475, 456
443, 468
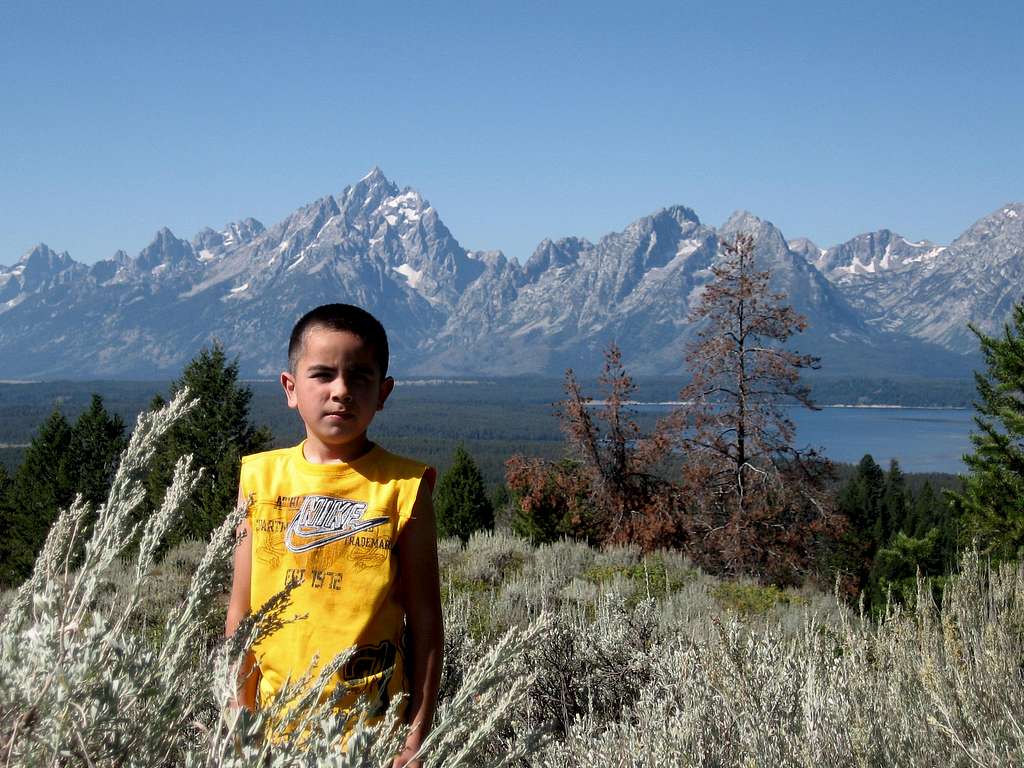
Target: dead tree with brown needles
608, 484
755, 503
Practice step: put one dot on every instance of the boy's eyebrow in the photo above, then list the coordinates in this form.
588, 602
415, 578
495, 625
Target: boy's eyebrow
352, 368
360, 368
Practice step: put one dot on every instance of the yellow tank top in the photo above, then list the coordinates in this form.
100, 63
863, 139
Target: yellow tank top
331, 530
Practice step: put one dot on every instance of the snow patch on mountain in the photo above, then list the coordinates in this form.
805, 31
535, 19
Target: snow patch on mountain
925, 256
412, 276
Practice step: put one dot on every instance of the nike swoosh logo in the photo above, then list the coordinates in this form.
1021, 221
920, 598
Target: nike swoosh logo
302, 538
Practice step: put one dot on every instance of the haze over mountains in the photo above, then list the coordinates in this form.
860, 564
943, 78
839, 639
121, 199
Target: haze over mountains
877, 305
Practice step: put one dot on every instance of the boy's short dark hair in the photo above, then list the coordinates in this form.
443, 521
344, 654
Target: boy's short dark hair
341, 317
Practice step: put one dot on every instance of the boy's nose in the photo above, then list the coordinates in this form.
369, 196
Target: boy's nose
339, 391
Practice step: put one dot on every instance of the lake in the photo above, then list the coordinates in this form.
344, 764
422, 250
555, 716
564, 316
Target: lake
497, 418
921, 439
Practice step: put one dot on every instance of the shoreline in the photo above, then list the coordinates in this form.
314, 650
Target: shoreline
879, 406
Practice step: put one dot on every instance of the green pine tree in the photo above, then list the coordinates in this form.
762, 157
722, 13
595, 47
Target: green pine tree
861, 502
501, 503
895, 503
931, 510
7, 542
62, 461
461, 501
896, 567
96, 442
861, 499
923, 511
992, 501
217, 432
42, 485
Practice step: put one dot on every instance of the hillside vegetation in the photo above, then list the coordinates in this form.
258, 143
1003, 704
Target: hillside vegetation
558, 655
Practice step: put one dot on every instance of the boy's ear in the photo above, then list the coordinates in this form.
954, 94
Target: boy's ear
288, 384
386, 387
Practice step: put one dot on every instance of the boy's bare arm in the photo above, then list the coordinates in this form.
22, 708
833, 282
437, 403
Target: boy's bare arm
421, 597
238, 608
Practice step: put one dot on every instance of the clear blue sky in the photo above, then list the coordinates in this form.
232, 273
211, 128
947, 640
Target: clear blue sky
518, 120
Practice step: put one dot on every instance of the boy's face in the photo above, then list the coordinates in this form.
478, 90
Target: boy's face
337, 389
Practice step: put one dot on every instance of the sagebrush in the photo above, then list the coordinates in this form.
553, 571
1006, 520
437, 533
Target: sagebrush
559, 655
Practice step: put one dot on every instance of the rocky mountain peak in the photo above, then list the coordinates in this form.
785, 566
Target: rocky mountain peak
207, 238
804, 286
107, 269
873, 253
806, 248
43, 259
208, 243
165, 253
552, 254
672, 219
771, 247
375, 177
244, 231
367, 194
1014, 211
38, 268
1005, 224
679, 214
932, 292
742, 221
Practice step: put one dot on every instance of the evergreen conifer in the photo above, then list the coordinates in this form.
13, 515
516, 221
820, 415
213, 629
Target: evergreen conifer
895, 503
62, 460
896, 567
461, 501
992, 501
860, 501
923, 511
217, 433
893, 535
96, 442
5, 516
41, 486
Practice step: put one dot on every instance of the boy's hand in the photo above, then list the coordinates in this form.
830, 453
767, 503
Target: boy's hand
402, 759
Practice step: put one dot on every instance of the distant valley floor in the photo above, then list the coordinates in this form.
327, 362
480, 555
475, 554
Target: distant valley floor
496, 418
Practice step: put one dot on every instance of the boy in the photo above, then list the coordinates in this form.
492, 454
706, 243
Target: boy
350, 525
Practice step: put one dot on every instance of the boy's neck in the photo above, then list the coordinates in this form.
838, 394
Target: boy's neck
316, 452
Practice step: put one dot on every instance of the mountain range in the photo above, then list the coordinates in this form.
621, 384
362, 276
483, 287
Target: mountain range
876, 305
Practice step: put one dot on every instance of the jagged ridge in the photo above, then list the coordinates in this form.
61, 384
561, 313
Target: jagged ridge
452, 311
